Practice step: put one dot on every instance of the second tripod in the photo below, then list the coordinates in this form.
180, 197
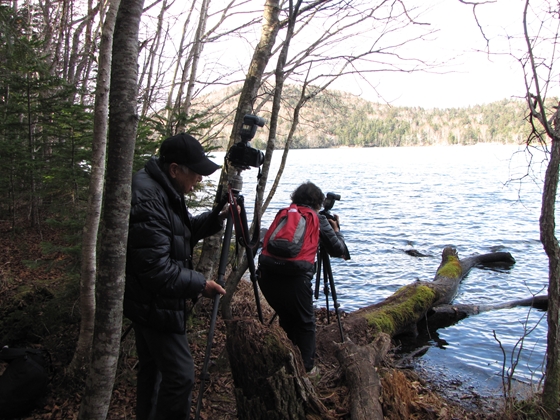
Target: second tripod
324, 262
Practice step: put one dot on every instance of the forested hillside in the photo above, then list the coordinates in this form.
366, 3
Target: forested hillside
336, 118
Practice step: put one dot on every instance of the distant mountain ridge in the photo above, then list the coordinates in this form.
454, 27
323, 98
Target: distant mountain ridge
335, 118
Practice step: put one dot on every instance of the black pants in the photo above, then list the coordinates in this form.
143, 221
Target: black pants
292, 299
165, 375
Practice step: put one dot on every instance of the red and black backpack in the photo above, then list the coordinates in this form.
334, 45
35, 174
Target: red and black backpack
292, 240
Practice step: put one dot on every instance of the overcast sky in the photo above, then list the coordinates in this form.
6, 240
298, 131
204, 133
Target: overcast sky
474, 77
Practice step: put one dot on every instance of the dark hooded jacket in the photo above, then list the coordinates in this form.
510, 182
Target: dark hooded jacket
162, 235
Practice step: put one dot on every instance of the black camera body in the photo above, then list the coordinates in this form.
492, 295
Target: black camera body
329, 203
241, 155
327, 206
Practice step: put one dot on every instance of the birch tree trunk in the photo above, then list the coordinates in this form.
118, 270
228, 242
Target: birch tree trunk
81, 358
123, 120
279, 75
173, 107
235, 277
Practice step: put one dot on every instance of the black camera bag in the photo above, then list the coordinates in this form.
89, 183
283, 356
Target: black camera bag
23, 385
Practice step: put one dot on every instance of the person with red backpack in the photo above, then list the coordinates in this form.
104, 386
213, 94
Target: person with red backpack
287, 264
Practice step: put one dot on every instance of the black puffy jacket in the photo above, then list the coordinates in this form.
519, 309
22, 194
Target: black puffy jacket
162, 235
332, 241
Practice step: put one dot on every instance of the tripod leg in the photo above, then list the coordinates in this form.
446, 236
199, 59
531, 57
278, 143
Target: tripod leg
328, 269
326, 282
250, 258
318, 276
221, 274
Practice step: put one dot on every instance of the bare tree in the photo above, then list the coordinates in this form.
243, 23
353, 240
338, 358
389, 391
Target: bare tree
261, 56
171, 78
540, 67
194, 58
95, 197
123, 118
153, 60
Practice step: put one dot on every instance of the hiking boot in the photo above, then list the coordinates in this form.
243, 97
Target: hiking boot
313, 373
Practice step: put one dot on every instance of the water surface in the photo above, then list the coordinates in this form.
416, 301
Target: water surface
478, 199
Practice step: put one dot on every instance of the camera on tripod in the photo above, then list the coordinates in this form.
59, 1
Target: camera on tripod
329, 203
327, 206
241, 155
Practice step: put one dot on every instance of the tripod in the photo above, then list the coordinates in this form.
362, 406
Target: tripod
237, 217
324, 260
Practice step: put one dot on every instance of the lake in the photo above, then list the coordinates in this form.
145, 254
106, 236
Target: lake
478, 199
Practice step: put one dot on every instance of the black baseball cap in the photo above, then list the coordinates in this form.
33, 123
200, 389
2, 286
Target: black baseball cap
184, 149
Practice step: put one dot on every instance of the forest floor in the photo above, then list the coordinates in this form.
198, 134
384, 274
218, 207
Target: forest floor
38, 308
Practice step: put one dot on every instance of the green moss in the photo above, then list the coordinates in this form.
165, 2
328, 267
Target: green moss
451, 269
408, 302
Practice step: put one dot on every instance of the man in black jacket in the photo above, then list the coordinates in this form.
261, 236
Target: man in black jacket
160, 275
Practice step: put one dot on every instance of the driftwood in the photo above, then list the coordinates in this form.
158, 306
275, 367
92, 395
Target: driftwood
359, 365
446, 315
267, 369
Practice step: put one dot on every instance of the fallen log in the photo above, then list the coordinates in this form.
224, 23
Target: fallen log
407, 306
267, 369
446, 315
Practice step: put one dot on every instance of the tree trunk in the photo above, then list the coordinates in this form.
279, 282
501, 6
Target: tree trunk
551, 388
279, 75
196, 52
151, 62
358, 363
173, 109
545, 128
81, 358
261, 357
248, 95
446, 315
269, 374
123, 120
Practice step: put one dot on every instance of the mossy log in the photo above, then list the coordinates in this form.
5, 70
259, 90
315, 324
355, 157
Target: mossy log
268, 372
412, 303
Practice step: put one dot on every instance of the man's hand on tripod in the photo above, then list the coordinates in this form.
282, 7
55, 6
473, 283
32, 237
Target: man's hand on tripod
224, 213
212, 289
